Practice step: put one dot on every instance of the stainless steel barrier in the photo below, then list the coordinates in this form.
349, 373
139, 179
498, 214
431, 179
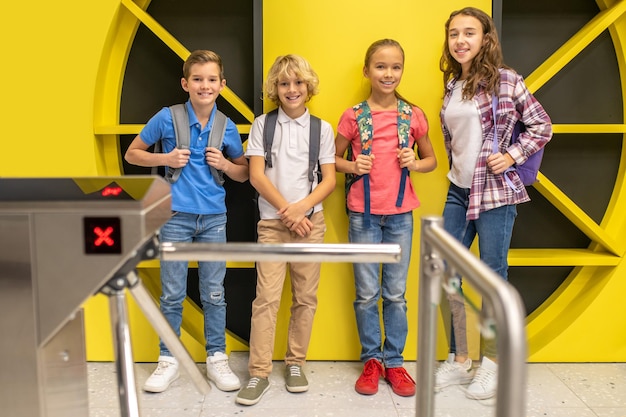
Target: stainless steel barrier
63, 240
501, 304
287, 252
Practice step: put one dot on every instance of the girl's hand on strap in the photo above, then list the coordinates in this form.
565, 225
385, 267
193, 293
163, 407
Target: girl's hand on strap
406, 158
363, 164
498, 163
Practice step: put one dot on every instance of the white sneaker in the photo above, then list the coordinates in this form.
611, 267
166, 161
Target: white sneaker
165, 373
452, 372
484, 384
218, 371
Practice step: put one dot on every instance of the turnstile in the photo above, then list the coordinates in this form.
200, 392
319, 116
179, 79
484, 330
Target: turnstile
65, 239
61, 241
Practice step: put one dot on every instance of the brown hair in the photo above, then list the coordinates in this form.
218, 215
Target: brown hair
485, 66
384, 43
202, 56
287, 65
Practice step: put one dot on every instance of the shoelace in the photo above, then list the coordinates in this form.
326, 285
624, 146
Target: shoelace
294, 370
483, 376
371, 369
222, 367
444, 368
162, 367
403, 375
253, 382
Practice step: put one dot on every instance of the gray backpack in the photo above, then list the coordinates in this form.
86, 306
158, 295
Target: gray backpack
181, 131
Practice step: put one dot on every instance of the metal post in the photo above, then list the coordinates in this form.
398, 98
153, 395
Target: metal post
430, 273
500, 299
129, 405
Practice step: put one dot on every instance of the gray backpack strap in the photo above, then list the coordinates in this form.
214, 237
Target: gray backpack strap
268, 135
181, 131
314, 146
216, 137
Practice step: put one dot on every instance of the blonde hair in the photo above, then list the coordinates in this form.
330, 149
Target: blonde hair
384, 43
202, 56
287, 65
485, 66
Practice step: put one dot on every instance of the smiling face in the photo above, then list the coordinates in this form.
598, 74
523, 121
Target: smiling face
293, 94
465, 40
204, 84
384, 69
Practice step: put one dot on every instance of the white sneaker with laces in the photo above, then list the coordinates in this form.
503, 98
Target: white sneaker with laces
218, 371
452, 372
485, 381
165, 373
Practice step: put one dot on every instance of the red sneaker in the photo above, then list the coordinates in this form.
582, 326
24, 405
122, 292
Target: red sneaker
367, 384
401, 382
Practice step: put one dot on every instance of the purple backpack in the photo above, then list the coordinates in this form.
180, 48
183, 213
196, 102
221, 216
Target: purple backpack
529, 169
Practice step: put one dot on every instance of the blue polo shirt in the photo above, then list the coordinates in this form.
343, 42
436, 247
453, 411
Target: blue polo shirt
196, 190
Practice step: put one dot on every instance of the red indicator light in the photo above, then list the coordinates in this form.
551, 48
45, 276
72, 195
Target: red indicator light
103, 235
111, 191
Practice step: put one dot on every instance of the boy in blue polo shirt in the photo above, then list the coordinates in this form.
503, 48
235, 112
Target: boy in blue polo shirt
198, 211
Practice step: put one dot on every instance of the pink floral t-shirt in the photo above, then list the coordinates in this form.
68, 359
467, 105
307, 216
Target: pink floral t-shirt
386, 173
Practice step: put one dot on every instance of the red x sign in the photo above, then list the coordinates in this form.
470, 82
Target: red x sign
102, 235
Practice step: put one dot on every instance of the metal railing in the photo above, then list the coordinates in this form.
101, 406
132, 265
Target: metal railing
126, 278
441, 253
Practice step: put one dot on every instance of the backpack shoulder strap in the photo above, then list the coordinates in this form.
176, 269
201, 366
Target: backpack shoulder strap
314, 145
180, 120
363, 116
268, 135
216, 135
405, 112
181, 125
216, 138
366, 127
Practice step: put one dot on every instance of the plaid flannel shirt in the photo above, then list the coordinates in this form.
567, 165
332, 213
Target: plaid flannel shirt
490, 191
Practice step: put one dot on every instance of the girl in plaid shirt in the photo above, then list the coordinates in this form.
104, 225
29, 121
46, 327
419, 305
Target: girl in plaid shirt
480, 201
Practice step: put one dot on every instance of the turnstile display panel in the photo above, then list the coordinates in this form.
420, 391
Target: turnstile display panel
74, 189
103, 235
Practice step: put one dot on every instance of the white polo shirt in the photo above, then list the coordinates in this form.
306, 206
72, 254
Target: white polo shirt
290, 157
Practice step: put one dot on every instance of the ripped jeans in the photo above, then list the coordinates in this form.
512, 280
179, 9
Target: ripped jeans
186, 227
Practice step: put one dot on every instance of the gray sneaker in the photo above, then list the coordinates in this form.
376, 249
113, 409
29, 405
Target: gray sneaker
253, 391
295, 381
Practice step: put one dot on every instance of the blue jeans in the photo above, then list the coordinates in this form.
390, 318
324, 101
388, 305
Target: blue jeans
396, 229
494, 229
186, 227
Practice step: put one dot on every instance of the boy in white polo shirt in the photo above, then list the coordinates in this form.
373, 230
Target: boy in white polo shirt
290, 207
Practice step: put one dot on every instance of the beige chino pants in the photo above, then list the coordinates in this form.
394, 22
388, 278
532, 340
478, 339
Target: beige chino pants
271, 277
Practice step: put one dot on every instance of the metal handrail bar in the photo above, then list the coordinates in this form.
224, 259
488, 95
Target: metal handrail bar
168, 251
288, 252
501, 303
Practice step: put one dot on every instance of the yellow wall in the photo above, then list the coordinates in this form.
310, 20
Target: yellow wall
334, 40
52, 53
